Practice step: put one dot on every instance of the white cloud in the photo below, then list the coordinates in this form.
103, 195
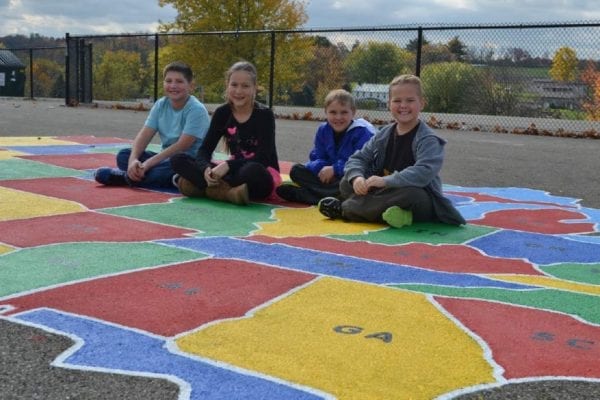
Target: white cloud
56, 17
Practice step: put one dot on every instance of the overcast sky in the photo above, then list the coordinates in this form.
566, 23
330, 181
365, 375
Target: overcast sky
56, 17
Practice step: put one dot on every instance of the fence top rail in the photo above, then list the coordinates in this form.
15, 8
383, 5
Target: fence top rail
35, 48
383, 28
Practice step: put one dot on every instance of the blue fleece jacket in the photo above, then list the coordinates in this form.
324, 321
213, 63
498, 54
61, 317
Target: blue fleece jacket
326, 153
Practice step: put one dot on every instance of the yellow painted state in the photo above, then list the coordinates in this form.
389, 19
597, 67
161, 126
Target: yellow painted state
6, 154
308, 221
15, 204
295, 339
549, 282
6, 249
33, 141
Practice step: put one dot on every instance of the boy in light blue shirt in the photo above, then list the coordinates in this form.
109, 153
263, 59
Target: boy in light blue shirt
181, 122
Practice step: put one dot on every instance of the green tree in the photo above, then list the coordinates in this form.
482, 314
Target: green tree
414, 43
492, 96
435, 53
119, 76
375, 62
210, 55
457, 48
449, 86
564, 65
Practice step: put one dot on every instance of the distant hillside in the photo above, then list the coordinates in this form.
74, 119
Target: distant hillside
34, 40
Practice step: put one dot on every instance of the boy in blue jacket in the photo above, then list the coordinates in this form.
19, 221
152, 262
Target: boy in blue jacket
335, 141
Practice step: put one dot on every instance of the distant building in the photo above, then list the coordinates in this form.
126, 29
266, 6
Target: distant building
555, 94
12, 75
372, 92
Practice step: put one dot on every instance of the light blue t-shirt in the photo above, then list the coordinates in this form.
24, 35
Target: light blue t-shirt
192, 120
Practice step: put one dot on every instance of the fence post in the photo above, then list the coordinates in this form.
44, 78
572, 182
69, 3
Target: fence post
419, 48
67, 69
155, 67
31, 74
272, 69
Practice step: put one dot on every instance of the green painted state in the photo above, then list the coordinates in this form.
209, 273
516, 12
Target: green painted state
19, 168
38, 267
431, 233
576, 304
210, 217
584, 273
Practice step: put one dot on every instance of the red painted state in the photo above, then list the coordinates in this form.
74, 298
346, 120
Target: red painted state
447, 257
171, 300
83, 227
547, 221
89, 193
527, 342
76, 161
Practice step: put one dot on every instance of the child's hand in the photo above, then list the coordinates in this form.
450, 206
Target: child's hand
360, 186
375, 182
210, 177
326, 174
135, 171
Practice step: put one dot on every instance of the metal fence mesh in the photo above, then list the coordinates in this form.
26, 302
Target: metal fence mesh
501, 78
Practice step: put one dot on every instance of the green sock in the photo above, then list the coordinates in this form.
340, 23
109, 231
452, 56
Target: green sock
397, 217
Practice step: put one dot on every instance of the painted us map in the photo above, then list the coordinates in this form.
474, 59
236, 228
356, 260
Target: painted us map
274, 301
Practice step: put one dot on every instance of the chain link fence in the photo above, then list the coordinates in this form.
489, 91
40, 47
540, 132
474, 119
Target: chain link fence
531, 79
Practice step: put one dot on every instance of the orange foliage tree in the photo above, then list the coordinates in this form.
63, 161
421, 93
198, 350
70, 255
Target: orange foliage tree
591, 104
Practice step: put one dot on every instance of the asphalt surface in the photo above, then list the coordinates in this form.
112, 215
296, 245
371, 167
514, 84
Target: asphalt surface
561, 166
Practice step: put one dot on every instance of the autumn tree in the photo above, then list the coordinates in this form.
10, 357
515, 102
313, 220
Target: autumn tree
48, 78
591, 104
564, 65
375, 62
323, 72
210, 54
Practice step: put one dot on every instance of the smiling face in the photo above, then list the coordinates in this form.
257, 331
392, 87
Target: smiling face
241, 89
177, 88
405, 104
339, 116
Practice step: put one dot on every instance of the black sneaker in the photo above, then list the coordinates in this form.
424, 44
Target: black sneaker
111, 177
296, 194
330, 207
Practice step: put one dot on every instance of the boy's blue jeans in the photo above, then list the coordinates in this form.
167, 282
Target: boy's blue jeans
161, 175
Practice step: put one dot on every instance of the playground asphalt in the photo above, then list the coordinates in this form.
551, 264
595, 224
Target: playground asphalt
561, 166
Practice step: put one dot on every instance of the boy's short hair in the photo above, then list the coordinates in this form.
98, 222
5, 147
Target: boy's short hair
181, 67
407, 79
341, 96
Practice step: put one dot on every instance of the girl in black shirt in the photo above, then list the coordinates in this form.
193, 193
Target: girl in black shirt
248, 130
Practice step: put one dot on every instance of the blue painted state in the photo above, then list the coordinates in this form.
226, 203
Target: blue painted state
335, 265
516, 194
109, 347
537, 248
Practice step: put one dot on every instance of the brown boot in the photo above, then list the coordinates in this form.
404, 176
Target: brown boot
188, 189
224, 192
